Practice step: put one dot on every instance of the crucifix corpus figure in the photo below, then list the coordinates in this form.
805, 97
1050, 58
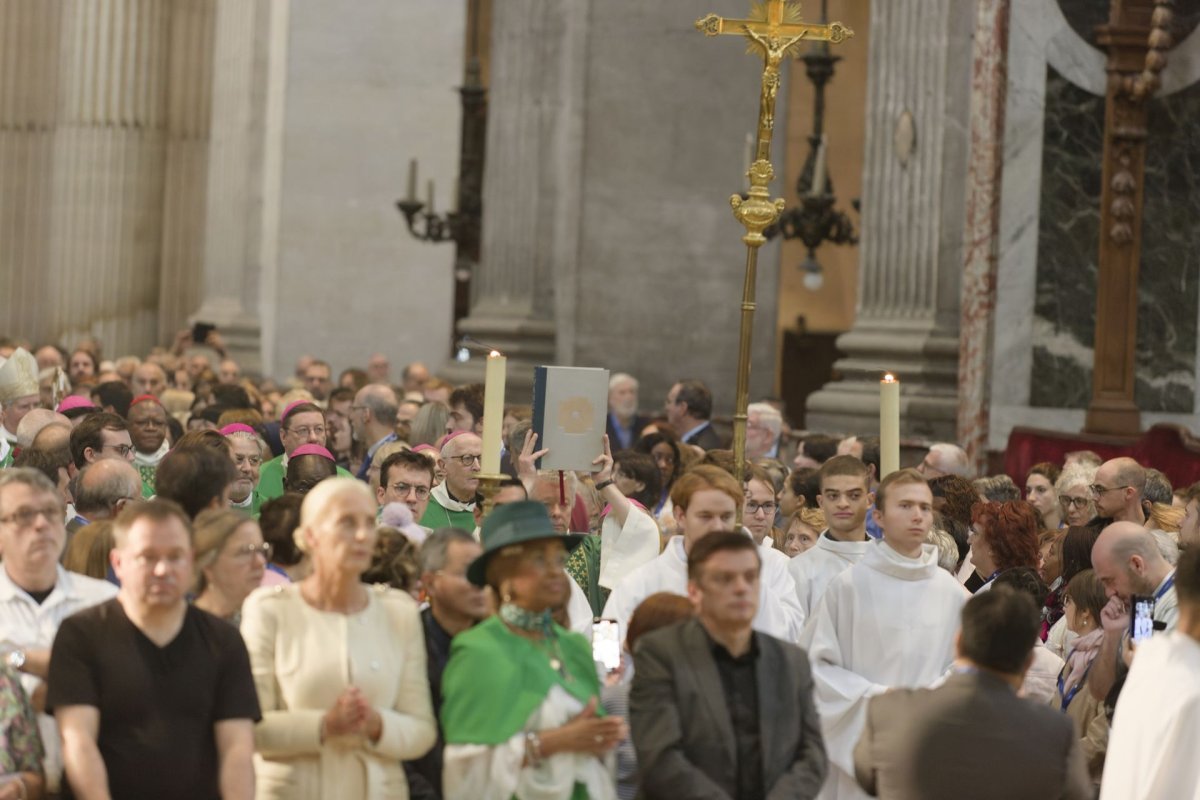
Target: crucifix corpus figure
774, 31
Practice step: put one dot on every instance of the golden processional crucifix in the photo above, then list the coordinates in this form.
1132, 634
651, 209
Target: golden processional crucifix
774, 31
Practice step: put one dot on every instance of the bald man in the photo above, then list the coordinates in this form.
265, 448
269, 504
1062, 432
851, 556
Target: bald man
1128, 563
373, 421
452, 502
1118, 490
33, 423
103, 489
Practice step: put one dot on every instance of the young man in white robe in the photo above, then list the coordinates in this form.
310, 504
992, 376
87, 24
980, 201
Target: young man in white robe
706, 499
1156, 729
845, 498
887, 622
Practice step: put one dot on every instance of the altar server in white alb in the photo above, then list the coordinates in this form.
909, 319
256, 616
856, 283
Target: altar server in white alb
1156, 729
706, 499
845, 498
887, 622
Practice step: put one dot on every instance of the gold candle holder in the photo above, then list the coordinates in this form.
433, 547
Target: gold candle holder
489, 487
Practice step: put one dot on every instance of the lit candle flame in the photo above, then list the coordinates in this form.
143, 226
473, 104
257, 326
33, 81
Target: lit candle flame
494, 354
889, 378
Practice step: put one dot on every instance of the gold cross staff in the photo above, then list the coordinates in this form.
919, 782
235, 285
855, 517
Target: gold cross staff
775, 31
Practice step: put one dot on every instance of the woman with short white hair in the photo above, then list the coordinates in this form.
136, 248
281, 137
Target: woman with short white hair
339, 666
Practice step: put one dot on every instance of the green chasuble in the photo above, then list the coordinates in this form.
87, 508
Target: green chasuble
583, 565
7, 461
270, 479
438, 516
495, 680
147, 474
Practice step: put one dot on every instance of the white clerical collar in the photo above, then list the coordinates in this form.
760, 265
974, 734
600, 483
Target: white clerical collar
151, 460
442, 495
248, 503
4, 448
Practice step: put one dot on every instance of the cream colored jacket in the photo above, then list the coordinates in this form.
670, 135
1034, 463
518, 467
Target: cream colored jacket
302, 659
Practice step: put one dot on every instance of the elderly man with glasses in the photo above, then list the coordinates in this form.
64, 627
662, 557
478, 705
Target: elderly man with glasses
36, 593
452, 502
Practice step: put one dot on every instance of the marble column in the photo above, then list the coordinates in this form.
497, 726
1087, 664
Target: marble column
84, 91
907, 322
989, 94
531, 185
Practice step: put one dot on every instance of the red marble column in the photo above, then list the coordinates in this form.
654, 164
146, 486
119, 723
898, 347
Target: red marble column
989, 92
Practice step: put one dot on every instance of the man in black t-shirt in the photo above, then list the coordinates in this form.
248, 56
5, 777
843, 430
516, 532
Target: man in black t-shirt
154, 697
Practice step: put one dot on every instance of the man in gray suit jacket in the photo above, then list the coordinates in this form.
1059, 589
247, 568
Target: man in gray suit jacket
972, 736
717, 709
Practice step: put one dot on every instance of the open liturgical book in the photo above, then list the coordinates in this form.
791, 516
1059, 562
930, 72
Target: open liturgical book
570, 407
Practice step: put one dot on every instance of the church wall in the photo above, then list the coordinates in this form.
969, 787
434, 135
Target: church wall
657, 288
1050, 237
370, 84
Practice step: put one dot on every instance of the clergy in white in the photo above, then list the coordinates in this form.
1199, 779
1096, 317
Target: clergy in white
844, 498
889, 621
1156, 729
706, 500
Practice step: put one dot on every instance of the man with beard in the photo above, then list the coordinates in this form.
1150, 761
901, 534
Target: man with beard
148, 431
625, 425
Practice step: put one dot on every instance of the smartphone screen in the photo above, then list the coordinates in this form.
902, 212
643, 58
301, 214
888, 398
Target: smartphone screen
606, 643
201, 330
1142, 619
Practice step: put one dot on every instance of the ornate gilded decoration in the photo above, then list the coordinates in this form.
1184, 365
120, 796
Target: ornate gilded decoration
773, 31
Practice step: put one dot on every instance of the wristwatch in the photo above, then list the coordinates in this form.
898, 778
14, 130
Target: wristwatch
16, 659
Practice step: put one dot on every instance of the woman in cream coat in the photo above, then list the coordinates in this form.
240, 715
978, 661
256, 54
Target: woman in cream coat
339, 666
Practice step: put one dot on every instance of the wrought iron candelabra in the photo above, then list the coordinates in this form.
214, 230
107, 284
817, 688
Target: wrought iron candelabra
815, 220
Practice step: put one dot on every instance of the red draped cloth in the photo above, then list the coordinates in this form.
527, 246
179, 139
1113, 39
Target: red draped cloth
1169, 448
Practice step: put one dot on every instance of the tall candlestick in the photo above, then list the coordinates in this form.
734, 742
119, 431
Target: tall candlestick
429, 195
889, 425
493, 412
817, 187
412, 180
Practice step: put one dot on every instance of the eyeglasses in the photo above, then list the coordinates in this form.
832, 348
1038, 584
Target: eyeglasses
25, 517
120, 449
1098, 490
248, 551
305, 432
466, 460
403, 489
1078, 503
753, 508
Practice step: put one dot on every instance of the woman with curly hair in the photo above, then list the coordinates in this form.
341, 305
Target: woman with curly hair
1003, 536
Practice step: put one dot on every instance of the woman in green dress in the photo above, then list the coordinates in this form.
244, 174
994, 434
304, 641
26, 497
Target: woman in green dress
520, 694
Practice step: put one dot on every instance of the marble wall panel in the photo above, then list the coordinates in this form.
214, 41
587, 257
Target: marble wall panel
1064, 306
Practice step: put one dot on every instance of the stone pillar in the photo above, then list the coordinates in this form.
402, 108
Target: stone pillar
241, 198
84, 95
531, 194
912, 252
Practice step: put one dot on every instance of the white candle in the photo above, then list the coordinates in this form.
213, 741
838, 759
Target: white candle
889, 425
818, 181
493, 412
412, 180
